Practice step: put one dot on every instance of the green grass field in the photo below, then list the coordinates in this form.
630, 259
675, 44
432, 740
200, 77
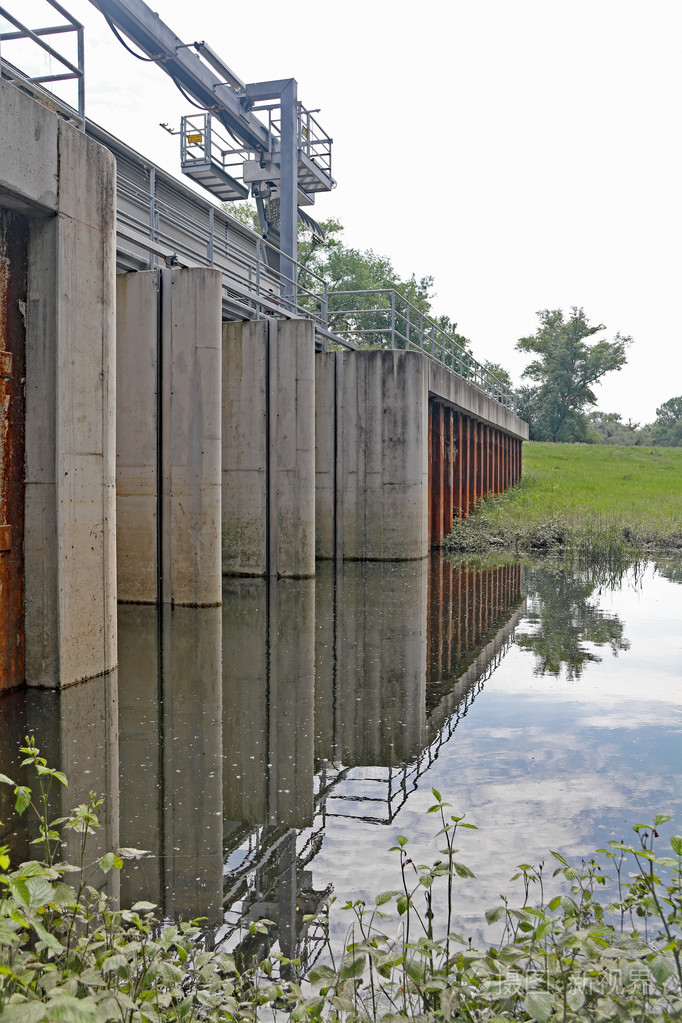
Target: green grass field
584, 497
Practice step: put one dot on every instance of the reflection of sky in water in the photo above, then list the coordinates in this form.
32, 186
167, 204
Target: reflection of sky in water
208, 748
543, 763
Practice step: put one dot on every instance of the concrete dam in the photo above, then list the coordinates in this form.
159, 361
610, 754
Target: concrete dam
173, 412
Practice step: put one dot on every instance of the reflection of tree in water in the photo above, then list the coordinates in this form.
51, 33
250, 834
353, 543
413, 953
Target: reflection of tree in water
565, 620
671, 571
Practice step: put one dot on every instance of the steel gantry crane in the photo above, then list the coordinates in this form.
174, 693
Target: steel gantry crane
282, 159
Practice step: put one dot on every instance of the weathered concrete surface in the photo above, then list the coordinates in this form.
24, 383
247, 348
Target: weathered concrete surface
64, 183
245, 449
269, 449
372, 455
168, 436
29, 169
372, 449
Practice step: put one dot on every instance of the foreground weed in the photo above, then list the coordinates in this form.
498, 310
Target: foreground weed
66, 956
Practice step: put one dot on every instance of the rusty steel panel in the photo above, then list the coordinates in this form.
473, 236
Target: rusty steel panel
13, 250
430, 465
446, 517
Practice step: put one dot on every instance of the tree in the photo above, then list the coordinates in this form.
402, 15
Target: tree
567, 366
609, 428
667, 429
346, 269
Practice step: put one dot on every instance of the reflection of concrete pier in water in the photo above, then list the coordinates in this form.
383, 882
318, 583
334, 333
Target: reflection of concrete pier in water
400, 654
437, 633
240, 730
170, 694
76, 730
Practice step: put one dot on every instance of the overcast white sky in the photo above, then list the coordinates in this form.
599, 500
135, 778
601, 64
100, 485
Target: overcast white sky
526, 154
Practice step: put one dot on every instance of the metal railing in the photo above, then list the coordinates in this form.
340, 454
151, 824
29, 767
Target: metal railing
161, 220
383, 318
24, 59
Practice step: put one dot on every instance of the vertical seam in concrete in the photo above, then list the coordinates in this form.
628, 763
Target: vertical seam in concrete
271, 416
164, 428
337, 485
159, 433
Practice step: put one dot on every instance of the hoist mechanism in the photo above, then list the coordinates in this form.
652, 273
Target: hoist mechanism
245, 139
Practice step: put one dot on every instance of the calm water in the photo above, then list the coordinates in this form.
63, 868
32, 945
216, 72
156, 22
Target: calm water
269, 752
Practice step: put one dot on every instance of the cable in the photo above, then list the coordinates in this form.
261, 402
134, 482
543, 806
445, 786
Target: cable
147, 60
188, 98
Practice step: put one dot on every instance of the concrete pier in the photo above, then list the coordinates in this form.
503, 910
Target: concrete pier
169, 358
268, 432
62, 183
391, 474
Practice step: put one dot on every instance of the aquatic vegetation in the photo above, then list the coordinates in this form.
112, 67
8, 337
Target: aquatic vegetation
66, 954
589, 501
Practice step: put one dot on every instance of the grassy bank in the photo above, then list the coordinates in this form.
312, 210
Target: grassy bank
591, 500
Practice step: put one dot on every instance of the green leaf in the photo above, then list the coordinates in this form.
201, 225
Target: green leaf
575, 998
437, 795
352, 967
23, 795
144, 907
384, 897
676, 844
403, 903
493, 915
661, 968
40, 891
67, 1009
5, 780
114, 962
128, 853
661, 818
19, 890
50, 940
538, 1005
169, 973
107, 862
29, 1012
322, 976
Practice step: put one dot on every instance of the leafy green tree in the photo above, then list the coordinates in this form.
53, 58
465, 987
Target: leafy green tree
609, 428
567, 366
667, 429
347, 269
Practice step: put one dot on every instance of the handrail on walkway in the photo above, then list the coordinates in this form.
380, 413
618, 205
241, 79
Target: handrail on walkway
383, 318
66, 69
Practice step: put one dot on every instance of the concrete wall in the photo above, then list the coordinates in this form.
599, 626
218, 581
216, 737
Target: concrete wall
372, 449
372, 455
269, 448
168, 436
64, 183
